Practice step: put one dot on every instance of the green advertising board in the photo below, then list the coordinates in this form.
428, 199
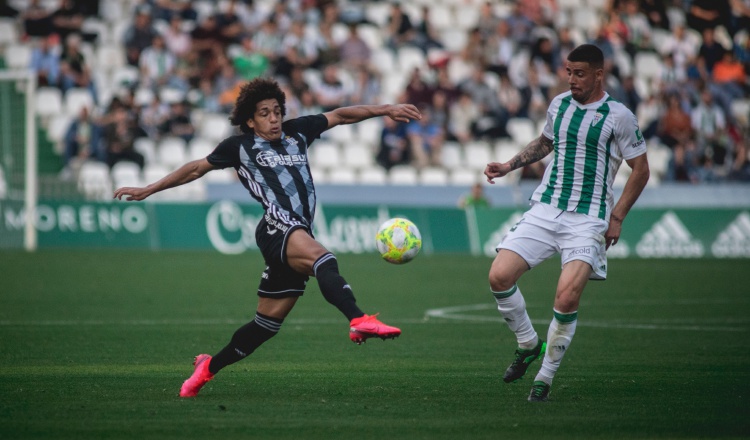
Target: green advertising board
229, 228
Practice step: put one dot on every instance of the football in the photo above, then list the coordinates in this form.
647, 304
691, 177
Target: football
398, 241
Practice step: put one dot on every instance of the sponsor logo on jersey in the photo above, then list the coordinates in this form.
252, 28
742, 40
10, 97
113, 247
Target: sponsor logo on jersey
638, 138
271, 159
275, 225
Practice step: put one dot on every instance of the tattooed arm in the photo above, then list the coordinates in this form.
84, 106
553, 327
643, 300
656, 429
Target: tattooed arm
533, 152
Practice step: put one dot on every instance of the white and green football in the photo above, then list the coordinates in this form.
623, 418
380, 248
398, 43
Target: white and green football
398, 241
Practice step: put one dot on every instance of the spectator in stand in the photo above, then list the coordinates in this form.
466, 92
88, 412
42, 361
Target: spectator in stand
157, 64
425, 139
7, 10
178, 41
227, 85
520, 25
268, 41
500, 48
710, 124
74, 71
656, 13
45, 61
675, 131
37, 20
476, 198
426, 37
401, 31
296, 51
418, 92
308, 104
707, 14
729, 82
153, 117
67, 19
119, 136
248, 62
488, 20
710, 53
463, 115
740, 16
230, 27
682, 49
544, 61
168, 9
509, 96
82, 143
475, 50
366, 87
639, 29
328, 47
354, 51
330, 92
493, 120
178, 123
139, 35
394, 145
535, 98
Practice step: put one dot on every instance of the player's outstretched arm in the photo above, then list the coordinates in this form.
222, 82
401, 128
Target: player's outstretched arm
633, 188
534, 151
357, 113
185, 174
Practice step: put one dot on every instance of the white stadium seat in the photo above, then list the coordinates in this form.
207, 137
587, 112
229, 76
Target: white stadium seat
433, 177
325, 154
373, 176
342, 176
172, 152
357, 156
478, 154
94, 181
49, 101
76, 99
403, 175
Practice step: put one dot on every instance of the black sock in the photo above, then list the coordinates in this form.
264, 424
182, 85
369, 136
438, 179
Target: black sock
334, 287
245, 340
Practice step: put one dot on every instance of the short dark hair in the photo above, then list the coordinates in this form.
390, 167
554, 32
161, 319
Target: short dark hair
587, 53
251, 94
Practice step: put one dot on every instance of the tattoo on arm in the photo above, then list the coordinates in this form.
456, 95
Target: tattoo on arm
534, 151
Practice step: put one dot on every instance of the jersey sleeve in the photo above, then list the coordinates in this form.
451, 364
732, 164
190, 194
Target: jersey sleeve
309, 126
628, 136
225, 155
549, 123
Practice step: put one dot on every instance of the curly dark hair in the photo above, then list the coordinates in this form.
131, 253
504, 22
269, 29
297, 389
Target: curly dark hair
251, 94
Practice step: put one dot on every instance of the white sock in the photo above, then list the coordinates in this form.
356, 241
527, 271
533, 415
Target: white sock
512, 306
560, 334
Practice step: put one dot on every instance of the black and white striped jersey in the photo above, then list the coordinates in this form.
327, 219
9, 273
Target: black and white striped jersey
276, 173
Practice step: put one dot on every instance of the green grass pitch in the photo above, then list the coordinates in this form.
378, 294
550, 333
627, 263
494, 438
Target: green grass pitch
95, 345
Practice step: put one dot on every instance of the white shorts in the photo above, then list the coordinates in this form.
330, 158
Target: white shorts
545, 230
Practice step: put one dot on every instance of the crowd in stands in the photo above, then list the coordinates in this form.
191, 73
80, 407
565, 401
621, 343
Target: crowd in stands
474, 68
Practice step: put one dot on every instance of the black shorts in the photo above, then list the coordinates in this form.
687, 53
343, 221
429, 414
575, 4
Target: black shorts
278, 280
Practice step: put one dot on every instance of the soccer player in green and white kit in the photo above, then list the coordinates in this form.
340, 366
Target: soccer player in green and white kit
572, 211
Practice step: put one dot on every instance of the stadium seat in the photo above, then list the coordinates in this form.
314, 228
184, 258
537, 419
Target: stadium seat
658, 159
172, 152
199, 147
215, 127
342, 176
740, 110
410, 58
170, 95
18, 56
94, 181
522, 130
371, 35
403, 175
647, 65
126, 173
466, 18
505, 150
477, 154
8, 31
77, 98
433, 177
319, 175
373, 176
227, 175
48, 101
147, 147
586, 19
125, 76
325, 154
454, 39
368, 131
383, 60
56, 129
451, 156
569, 4
357, 156
463, 177
441, 17
342, 134
110, 56
378, 13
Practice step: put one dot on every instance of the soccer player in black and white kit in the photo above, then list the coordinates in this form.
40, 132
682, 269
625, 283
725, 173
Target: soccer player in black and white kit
270, 157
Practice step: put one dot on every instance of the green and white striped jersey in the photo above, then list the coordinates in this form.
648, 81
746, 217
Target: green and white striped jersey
590, 143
